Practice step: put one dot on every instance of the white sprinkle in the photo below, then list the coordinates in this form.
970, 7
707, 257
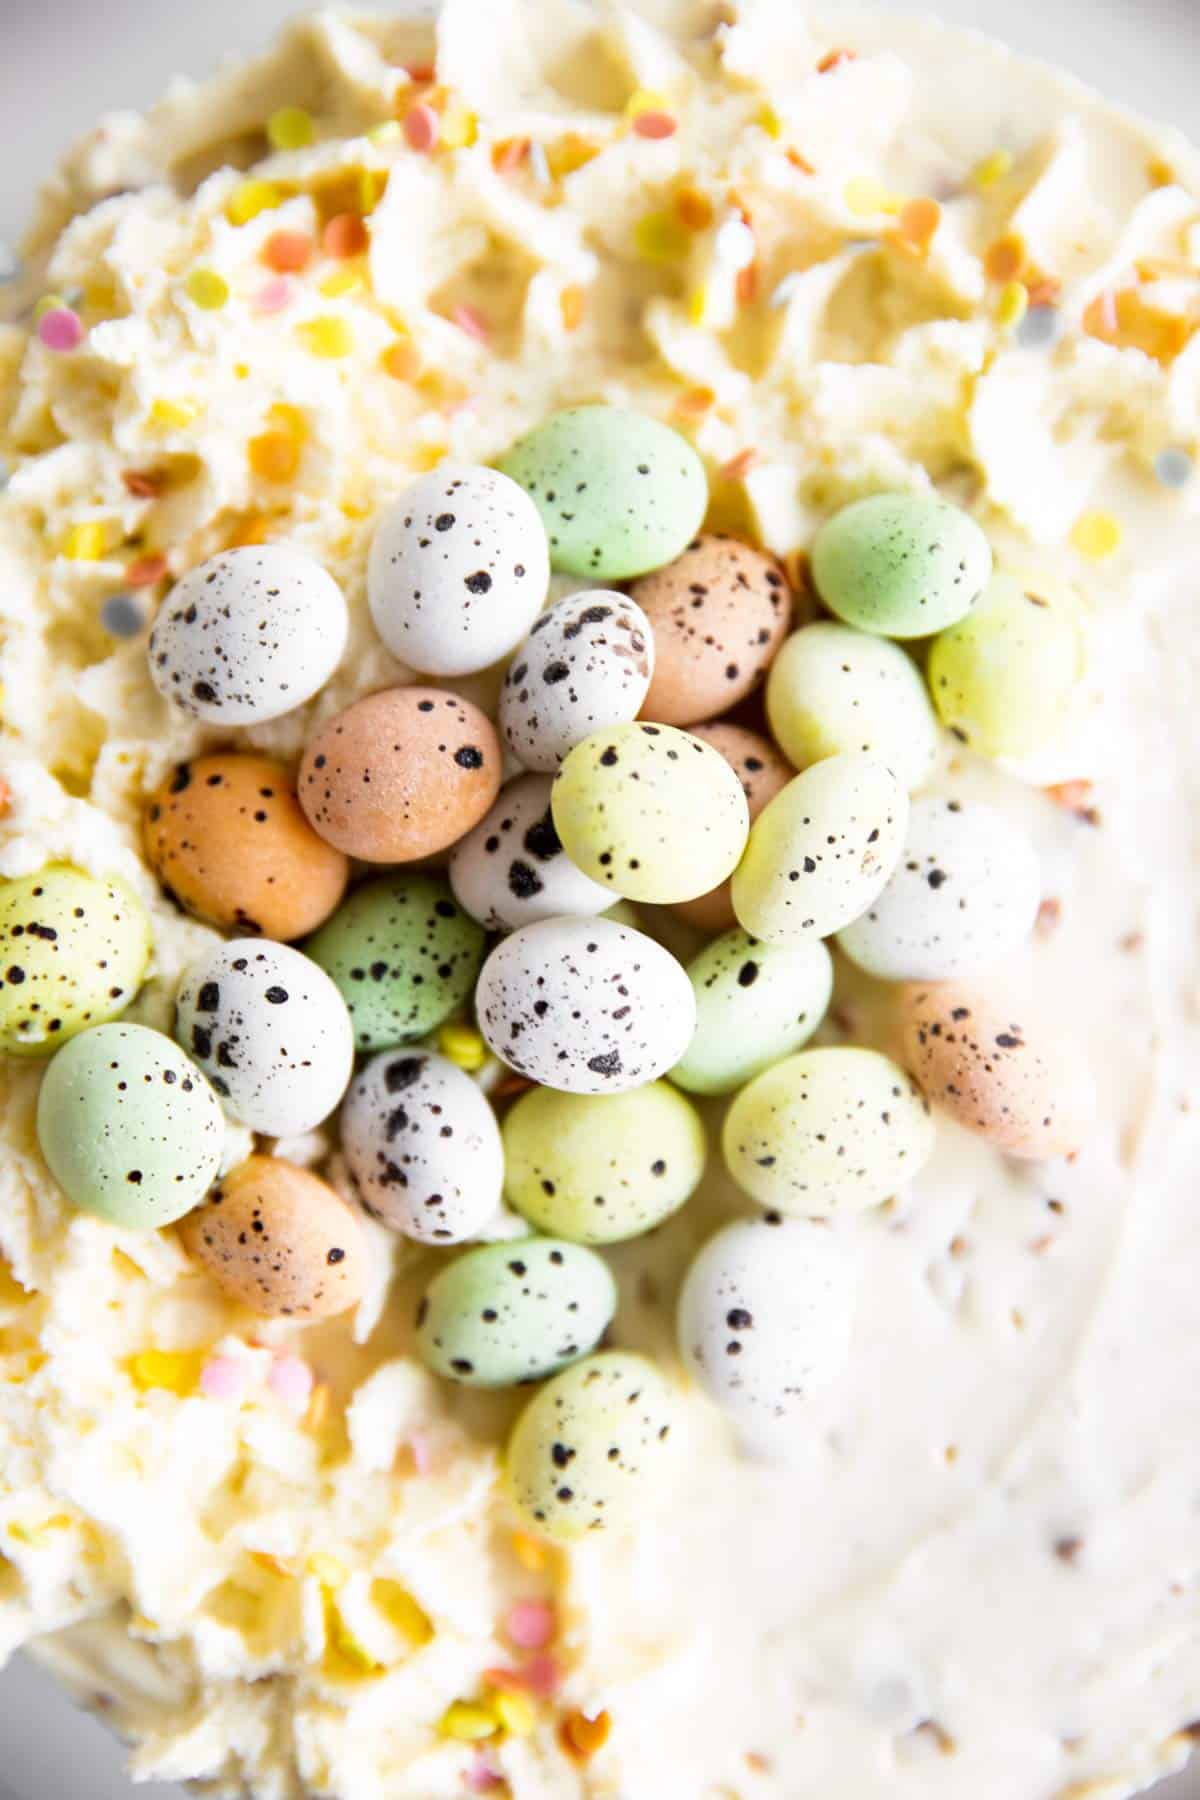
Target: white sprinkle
539, 163
787, 287
735, 245
1174, 468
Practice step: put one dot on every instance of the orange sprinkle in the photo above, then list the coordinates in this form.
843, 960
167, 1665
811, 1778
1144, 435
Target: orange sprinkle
1004, 260
833, 58
582, 1737
1160, 173
5, 798
1074, 797
693, 209
147, 571
746, 285
694, 402
573, 303
800, 162
1044, 290
918, 221
401, 361
509, 154
1126, 321
655, 125
739, 465
345, 235
143, 484
287, 252
420, 73
274, 455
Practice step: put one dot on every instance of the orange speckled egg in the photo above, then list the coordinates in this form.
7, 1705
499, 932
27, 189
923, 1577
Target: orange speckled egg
762, 772
400, 774
227, 840
719, 613
997, 1069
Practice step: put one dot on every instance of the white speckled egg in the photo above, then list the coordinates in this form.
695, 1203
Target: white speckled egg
512, 870
271, 1032
458, 571
249, 635
754, 1003
423, 1147
586, 665
586, 1006
964, 894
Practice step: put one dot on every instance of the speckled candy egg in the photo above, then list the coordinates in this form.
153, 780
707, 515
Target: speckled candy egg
650, 812
595, 1450
73, 953
586, 1006
403, 955
272, 1033
763, 773
278, 1239
249, 635
718, 613
515, 1311
964, 894
586, 665
400, 774
754, 1003
228, 841
598, 1169
423, 1147
833, 689
130, 1130
458, 570
902, 565
822, 850
996, 1067
512, 869
828, 1131
618, 492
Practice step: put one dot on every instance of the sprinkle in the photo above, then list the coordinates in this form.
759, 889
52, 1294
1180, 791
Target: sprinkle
345, 235
147, 571
572, 303
421, 74
467, 1724
177, 1371
5, 798
253, 529
472, 322
694, 402
1159, 172
655, 125
401, 1610
539, 164
86, 543
644, 100
734, 244
833, 59
143, 484
47, 304
509, 154
401, 360
799, 162
530, 1624
529, 1551
1004, 260
1096, 535
738, 466
693, 209
175, 414
515, 1713
543, 1676
460, 128
1074, 797
697, 305
1043, 289
421, 128
122, 617
274, 455
481, 1777
659, 238
326, 337
249, 199
991, 170
582, 1737
1011, 305
60, 329
1174, 468
918, 222
291, 1382
865, 197
223, 1378
1039, 327
329, 1570
422, 1452
274, 296
768, 120
745, 288
342, 282
291, 128
463, 1046
207, 290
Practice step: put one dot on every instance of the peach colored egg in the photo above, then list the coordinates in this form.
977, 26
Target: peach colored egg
278, 1239
401, 774
994, 1065
719, 613
227, 840
762, 772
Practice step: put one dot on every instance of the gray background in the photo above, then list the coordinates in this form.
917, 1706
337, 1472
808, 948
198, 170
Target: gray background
62, 62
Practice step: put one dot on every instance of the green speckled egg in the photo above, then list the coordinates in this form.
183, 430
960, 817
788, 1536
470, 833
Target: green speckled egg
73, 953
828, 1131
650, 812
514, 1311
129, 1127
833, 689
597, 1168
619, 494
755, 1002
595, 1450
901, 565
403, 954
1004, 677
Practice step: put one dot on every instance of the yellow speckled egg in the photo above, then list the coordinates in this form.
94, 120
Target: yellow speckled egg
763, 772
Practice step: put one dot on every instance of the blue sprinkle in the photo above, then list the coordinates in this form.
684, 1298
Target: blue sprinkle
1173, 468
122, 616
1039, 327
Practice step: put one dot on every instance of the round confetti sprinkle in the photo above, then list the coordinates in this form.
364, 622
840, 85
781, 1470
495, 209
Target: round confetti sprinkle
274, 295
1096, 535
1174, 468
655, 125
1038, 328
121, 616
60, 329
421, 127
291, 128
249, 199
287, 252
223, 1378
327, 337
291, 1382
207, 290
345, 235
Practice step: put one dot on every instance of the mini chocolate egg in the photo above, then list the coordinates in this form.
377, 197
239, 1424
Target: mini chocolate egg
964, 894
595, 1449
423, 1147
512, 869
650, 812
765, 1318
618, 492
227, 839
1003, 678
73, 952
828, 1131
902, 565
278, 1239
585, 666
515, 1311
763, 773
754, 1003
129, 1128
458, 571
403, 955
994, 1064
718, 613
585, 1005
600, 1168
832, 689
249, 635
400, 774
822, 851
271, 1032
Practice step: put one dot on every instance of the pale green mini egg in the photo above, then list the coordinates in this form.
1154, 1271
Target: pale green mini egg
650, 812
618, 492
514, 1311
596, 1449
828, 1131
832, 689
755, 1002
129, 1127
404, 956
598, 1168
901, 565
73, 953
1004, 677
821, 851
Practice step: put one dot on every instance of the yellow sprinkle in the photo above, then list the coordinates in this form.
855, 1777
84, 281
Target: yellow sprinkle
390, 132
207, 290
529, 1551
463, 1046
274, 455
660, 238
459, 130
371, 186
467, 1724
175, 1370
326, 337
290, 419
991, 170
570, 153
1096, 535
1012, 305
697, 305
249, 199
319, 1407
342, 281
770, 122
86, 543
330, 1571
644, 100
291, 128
47, 304
345, 1656
865, 197
514, 1712
401, 1610
175, 414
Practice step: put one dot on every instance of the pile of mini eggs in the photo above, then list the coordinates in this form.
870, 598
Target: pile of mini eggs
626, 782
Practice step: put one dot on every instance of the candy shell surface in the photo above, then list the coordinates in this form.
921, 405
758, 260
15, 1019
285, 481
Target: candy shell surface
512, 870
585, 666
763, 773
754, 1004
902, 565
833, 689
73, 952
1003, 679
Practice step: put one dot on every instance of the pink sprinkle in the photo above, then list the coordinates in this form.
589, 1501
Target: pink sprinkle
422, 1452
223, 1378
542, 1676
60, 329
482, 1777
655, 125
273, 296
291, 1382
421, 127
530, 1624
473, 323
